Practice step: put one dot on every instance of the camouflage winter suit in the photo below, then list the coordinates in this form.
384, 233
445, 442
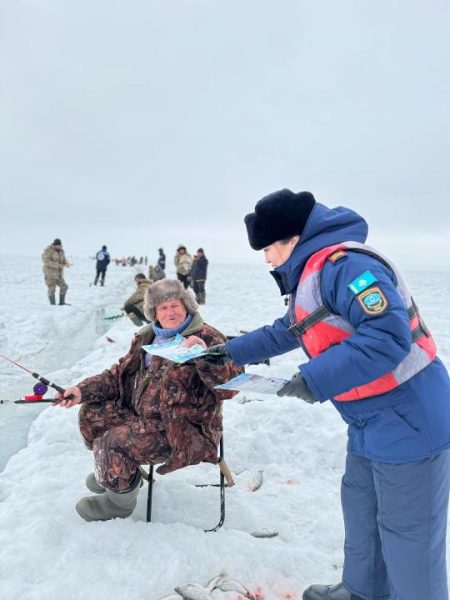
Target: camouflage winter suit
137, 297
167, 414
183, 263
54, 261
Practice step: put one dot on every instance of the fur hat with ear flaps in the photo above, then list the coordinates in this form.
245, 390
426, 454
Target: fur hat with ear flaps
167, 289
278, 216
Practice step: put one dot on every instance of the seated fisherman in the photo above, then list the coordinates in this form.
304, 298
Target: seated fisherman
147, 409
134, 305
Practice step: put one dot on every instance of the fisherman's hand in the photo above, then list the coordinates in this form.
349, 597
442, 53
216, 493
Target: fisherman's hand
192, 340
217, 355
297, 388
74, 391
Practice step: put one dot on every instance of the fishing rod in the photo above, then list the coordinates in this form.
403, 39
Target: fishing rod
39, 389
113, 317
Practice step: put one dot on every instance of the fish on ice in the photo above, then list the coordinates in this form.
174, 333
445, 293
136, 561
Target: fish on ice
229, 585
255, 482
193, 591
212, 583
264, 533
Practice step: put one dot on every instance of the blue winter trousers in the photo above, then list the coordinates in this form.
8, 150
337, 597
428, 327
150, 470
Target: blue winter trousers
395, 518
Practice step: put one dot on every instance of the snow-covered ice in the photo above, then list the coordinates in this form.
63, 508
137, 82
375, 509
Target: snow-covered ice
48, 552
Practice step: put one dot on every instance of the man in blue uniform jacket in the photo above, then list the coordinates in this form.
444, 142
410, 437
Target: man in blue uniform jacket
103, 260
373, 357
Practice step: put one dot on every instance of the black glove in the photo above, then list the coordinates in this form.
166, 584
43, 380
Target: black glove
297, 388
217, 355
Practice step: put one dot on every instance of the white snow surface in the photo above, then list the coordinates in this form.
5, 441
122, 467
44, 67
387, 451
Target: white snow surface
48, 552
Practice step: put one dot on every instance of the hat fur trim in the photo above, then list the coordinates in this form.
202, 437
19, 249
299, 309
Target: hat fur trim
167, 289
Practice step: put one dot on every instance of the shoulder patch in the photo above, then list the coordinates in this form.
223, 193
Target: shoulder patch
372, 301
362, 282
337, 255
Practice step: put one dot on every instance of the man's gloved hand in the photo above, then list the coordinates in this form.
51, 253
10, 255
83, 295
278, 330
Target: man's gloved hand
217, 355
297, 388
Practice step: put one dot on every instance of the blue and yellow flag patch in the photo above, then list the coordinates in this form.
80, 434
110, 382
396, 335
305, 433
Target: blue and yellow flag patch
373, 301
362, 282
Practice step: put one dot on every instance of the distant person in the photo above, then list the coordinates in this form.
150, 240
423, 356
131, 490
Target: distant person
183, 263
55, 261
198, 275
145, 260
134, 305
161, 259
155, 273
103, 260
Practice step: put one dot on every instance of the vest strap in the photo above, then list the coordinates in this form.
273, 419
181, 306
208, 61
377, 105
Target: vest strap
301, 327
422, 329
416, 334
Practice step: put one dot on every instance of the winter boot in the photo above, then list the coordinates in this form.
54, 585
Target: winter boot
328, 592
62, 299
201, 297
52, 298
93, 485
110, 505
135, 320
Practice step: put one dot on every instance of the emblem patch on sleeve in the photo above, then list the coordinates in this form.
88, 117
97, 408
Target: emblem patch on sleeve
373, 301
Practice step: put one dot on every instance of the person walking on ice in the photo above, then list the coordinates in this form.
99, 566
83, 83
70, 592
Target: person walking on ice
103, 260
54, 261
198, 275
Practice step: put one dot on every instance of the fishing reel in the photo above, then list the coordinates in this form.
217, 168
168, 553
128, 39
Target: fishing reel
39, 389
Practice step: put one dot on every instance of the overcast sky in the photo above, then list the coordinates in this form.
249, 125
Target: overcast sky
140, 124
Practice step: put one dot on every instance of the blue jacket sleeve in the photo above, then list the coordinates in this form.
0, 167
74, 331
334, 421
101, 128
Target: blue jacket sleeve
381, 339
267, 341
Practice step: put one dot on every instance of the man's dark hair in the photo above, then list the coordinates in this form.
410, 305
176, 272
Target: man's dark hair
140, 276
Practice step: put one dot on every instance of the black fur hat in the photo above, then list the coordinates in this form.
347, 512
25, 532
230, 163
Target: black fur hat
278, 216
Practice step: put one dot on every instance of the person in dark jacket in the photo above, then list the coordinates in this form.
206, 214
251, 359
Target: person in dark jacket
103, 260
198, 275
147, 409
370, 354
161, 263
155, 273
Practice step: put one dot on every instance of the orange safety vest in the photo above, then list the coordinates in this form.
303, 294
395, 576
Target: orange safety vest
319, 329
